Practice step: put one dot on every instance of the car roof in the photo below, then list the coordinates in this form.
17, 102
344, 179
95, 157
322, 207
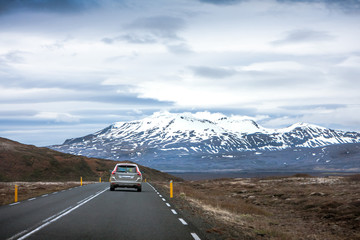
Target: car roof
129, 164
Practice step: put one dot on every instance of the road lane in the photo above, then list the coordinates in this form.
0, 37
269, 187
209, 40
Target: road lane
28, 214
101, 214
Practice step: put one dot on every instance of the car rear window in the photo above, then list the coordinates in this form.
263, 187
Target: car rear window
126, 169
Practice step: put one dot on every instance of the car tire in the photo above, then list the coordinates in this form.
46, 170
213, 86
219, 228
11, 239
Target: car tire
139, 189
112, 189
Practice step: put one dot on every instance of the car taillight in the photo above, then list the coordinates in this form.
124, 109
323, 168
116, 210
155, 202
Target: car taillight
138, 172
113, 172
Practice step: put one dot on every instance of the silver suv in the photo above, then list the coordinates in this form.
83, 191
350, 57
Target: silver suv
126, 175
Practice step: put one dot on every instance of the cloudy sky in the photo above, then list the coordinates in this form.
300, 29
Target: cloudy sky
71, 67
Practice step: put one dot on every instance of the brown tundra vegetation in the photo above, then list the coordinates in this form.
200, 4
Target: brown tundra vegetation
297, 207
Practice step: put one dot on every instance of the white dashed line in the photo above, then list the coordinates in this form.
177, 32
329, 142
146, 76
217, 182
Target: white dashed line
45, 195
195, 236
14, 203
54, 192
183, 221
31, 199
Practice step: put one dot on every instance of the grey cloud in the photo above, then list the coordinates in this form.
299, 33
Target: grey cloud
181, 48
77, 91
347, 6
13, 57
222, 2
212, 72
17, 113
160, 26
112, 115
303, 35
131, 38
129, 99
138, 39
86, 96
315, 106
58, 44
121, 57
226, 110
62, 6
108, 40
150, 30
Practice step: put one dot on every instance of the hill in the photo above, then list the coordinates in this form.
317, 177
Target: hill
20, 162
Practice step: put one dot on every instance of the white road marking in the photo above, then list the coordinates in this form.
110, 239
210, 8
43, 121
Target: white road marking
31, 199
45, 195
152, 187
14, 203
84, 199
57, 216
195, 236
54, 192
53, 216
183, 221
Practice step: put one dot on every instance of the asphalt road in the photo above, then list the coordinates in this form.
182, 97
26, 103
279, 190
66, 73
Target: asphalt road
93, 212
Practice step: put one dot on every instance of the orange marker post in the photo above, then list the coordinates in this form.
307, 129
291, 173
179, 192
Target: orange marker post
171, 189
16, 193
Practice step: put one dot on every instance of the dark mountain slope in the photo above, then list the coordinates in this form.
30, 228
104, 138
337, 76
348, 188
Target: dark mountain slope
20, 162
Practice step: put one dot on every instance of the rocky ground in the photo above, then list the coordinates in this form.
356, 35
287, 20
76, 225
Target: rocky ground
298, 207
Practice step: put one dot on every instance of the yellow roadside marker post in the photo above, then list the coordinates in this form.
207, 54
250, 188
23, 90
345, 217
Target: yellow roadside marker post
100, 180
80, 181
171, 189
16, 193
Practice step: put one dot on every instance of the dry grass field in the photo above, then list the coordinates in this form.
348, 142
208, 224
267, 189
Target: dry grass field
28, 190
297, 207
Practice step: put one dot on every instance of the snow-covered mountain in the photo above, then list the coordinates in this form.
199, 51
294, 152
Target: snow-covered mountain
164, 136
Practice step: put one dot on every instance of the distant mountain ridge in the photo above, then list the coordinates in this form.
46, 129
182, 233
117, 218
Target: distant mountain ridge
175, 135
